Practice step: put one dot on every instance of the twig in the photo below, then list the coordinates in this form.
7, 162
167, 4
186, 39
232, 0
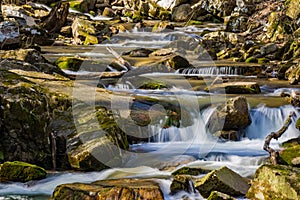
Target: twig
276, 135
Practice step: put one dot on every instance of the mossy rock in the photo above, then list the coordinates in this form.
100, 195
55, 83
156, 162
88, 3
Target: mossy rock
222, 180
110, 189
153, 85
193, 171
21, 172
251, 60
215, 195
275, 182
70, 63
298, 124
181, 183
291, 155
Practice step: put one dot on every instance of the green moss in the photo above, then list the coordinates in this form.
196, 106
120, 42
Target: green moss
190, 171
215, 195
21, 171
90, 40
164, 15
251, 60
194, 22
70, 63
76, 5
290, 153
153, 85
298, 124
262, 60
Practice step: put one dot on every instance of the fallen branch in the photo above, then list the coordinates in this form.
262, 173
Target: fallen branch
276, 135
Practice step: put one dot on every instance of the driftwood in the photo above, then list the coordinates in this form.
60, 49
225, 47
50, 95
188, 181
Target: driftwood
275, 135
56, 18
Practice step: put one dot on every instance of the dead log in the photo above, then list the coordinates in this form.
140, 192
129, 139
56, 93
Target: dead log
275, 135
57, 18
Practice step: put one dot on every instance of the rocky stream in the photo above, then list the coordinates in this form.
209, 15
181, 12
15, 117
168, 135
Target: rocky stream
135, 99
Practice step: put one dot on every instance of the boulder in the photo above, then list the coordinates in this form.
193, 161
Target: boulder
291, 152
236, 88
182, 183
222, 180
162, 27
275, 182
237, 24
110, 189
182, 13
70, 63
220, 8
267, 49
193, 171
293, 74
84, 32
27, 59
24, 120
9, 35
233, 115
215, 195
21, 172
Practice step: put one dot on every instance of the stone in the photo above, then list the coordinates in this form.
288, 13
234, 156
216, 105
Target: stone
110, 189
182, 183
291, 153
24, 116
275, 182
293, 74
193, 171
236, 88
27, 59
222, 180
237, 24
220, 8
233, 115
181, 13
293, 10
162, 27
21, 172
228, 135
108, 12
84, 32
70, 63
9, 35
215, 195
269, 48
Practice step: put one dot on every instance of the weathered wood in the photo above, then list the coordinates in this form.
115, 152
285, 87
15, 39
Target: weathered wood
275, 135
56, 18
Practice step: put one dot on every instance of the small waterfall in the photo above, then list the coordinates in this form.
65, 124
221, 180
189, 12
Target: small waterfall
266, 120
224, 70
196, 133
53, 149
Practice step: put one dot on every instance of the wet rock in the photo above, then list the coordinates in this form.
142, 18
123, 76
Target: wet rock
215, 195
275, 182
193, 171
110, 189
293, 74
108, 12
269, 48
70, 63
237, 24
21, 172
27, 59
182, 183
32, 36
178, 62
298, 124
84, 32
181, 13
140, 52
220, 8
236, 88
24, 120
56, 18
162, 27
233, 115
9, 35
222, 180
229, 135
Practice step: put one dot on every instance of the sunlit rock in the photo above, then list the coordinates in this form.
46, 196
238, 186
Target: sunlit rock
222, 180
275, 182
21, 172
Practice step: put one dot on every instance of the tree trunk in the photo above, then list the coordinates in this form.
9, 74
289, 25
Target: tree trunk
56, 18
275, 135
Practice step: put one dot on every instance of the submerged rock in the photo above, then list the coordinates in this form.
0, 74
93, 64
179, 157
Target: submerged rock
222, 180
110, 189
275, 182
21, 172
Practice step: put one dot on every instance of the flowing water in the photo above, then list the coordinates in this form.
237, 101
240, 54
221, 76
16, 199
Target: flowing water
183, 146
